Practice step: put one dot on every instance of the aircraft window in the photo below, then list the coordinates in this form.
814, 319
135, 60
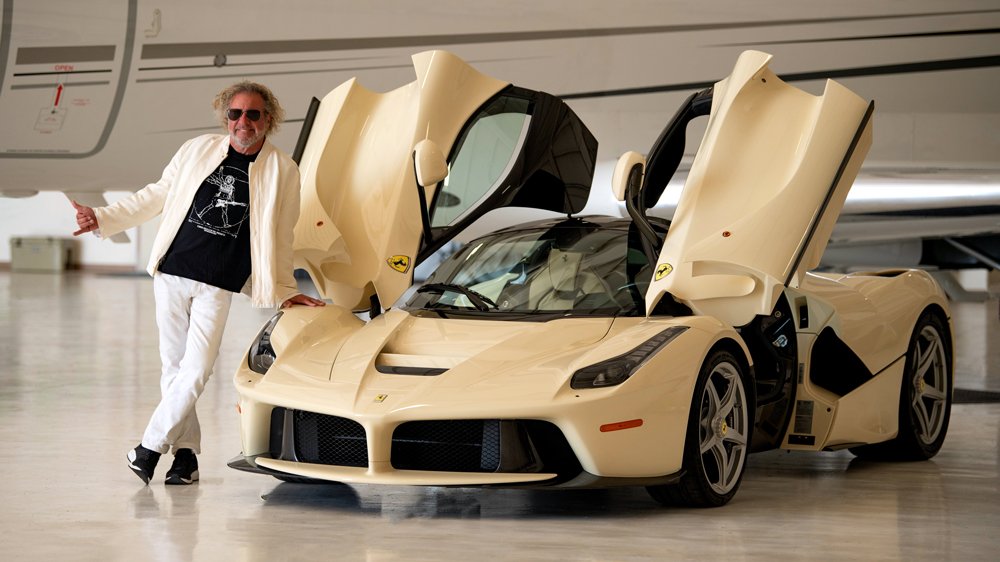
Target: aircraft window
487, 149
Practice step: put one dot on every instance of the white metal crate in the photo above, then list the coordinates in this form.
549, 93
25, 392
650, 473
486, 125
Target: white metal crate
40, 254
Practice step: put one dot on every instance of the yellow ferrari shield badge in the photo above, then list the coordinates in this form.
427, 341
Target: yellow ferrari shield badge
399, 263
663, 270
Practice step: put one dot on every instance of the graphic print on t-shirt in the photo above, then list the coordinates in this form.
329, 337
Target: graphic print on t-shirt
224, 213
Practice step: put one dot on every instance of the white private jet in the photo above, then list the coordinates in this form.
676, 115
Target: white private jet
96, 96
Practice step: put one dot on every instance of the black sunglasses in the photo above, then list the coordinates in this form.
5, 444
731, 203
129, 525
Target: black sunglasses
235, 114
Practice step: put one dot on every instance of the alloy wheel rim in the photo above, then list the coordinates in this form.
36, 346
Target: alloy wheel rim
723, 428
930, 384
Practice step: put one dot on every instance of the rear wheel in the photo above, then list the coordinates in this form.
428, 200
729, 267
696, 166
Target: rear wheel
925, 397
718, 437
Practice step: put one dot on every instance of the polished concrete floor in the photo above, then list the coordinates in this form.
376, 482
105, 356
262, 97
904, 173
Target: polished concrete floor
78, 380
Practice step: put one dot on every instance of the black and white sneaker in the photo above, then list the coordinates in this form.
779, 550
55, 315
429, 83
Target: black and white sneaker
184, 470
143, 461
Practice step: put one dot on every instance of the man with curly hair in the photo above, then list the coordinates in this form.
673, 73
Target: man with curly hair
228, 205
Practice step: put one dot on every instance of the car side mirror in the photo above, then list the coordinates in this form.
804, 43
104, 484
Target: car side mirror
629, 168
429, 163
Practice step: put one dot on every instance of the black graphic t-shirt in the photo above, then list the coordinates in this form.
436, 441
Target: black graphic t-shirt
213, 243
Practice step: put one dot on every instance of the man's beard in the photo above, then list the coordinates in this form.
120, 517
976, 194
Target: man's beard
248, 143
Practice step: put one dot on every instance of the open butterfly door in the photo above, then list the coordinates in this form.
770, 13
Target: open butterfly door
764, 191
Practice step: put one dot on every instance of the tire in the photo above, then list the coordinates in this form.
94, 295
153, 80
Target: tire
718, 436
925, 397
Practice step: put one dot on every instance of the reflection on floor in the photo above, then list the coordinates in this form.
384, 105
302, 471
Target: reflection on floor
78, 380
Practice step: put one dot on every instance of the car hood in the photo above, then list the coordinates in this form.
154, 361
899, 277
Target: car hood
399, 360
764, 191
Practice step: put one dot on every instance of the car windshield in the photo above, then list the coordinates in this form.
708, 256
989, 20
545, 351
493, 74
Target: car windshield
574, 267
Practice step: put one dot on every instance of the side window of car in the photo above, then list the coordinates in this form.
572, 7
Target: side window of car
485, 152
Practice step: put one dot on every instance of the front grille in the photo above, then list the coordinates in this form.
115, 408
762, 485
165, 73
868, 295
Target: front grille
448, 445
323, 439
528, 446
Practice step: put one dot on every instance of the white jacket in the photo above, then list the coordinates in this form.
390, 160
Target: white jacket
274, 209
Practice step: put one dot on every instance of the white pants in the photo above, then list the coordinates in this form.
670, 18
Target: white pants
191, 317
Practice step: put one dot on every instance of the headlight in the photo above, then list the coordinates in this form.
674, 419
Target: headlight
262, 355
618, 369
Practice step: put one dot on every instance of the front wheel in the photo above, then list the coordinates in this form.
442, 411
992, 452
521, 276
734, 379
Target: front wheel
925, 397
718, 437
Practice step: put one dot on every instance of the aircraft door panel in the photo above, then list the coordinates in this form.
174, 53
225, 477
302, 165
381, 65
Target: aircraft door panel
64, 66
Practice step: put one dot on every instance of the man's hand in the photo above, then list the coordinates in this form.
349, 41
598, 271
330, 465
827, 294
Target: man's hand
86, 219
303, 300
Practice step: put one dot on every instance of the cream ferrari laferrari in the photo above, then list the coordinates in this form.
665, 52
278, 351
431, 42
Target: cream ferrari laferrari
584, 351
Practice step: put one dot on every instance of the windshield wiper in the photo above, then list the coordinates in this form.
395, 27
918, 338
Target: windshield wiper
481, 302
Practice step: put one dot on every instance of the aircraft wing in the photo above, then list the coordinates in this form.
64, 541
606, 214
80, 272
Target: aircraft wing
905, 222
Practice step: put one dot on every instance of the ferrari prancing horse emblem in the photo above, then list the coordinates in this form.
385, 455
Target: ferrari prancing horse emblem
663, 270
399, 263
